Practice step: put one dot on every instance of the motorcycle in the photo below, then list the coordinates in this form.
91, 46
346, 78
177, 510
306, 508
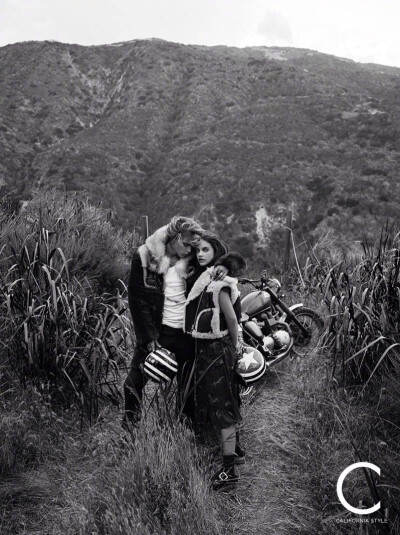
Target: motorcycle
272, 327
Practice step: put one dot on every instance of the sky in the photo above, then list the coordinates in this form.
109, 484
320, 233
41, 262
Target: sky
362, 30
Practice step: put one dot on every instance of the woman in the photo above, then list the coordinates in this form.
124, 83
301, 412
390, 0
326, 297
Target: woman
211, 317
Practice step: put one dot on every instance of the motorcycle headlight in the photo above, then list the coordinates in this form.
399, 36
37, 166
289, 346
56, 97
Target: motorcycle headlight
275, 285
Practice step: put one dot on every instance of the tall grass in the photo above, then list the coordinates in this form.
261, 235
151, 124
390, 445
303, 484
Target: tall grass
361, 412
62, 312
363, 302
92, 246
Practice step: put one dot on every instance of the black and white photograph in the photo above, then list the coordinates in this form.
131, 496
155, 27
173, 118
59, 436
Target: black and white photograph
199, 267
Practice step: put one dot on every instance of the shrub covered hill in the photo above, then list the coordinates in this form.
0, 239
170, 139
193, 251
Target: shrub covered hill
232, 136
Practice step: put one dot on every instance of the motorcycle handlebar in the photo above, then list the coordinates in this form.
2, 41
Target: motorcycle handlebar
248, 281
263, 281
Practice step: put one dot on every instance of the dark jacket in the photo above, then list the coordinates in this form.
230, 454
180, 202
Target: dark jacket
146, 285
146, 301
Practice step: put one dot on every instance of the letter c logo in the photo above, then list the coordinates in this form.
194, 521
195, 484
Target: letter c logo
339, 488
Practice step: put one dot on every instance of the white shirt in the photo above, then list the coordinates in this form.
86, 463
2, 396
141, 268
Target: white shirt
175, 300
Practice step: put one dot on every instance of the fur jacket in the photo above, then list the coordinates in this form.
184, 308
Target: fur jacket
154, 258
146, 285
203, 316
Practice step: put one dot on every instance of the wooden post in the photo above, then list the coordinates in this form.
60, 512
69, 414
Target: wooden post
147, 225
288, 233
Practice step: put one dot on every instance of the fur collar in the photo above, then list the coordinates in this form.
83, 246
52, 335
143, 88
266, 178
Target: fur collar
154, 257
204, 281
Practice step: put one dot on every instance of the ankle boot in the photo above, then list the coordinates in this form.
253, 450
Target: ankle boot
226, 476
240, 454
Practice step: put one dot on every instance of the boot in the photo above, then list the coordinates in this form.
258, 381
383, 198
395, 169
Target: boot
226, 477
240, 455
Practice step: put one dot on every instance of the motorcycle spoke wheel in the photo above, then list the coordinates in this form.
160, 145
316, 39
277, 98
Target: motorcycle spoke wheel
314, 324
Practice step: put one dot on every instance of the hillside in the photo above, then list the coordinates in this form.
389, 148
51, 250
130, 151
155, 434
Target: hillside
232, 136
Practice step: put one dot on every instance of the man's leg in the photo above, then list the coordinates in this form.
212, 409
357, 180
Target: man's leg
133, 388
182, 345
185, 380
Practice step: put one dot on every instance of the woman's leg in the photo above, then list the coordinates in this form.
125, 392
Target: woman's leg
228, 440
227, 476
239, 451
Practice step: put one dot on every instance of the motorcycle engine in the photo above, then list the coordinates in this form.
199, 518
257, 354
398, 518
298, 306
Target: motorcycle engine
268, 343
281, 339
277, 341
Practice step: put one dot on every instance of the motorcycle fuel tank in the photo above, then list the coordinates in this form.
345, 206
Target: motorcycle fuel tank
254, 302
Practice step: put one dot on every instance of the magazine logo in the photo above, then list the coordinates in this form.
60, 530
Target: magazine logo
339, 488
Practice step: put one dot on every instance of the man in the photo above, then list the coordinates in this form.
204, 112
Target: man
157, 293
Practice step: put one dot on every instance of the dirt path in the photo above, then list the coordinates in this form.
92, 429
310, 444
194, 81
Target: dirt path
274, 491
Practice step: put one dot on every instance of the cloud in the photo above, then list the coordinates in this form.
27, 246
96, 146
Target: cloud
275, 28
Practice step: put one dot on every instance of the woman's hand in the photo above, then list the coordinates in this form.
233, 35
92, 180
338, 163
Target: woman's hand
239, 347
219, 273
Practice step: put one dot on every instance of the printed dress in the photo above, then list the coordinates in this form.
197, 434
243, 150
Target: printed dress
216, 383
216, 388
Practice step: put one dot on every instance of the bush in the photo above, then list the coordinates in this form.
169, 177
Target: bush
244, 246
94, 249
369, 171
9, 207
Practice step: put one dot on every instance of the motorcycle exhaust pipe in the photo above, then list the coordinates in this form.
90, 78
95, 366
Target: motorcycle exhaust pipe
281, 356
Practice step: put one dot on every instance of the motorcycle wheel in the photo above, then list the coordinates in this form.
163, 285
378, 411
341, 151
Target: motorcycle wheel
302, 345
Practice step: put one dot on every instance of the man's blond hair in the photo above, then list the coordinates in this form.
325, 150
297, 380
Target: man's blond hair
184, 225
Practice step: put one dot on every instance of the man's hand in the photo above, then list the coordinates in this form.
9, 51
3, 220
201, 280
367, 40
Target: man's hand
151, 346
219, 273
